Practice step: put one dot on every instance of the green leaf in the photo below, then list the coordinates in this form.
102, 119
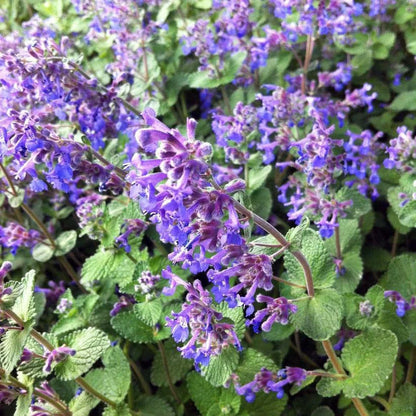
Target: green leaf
65, 242
388, 319
11, 347
395, 222
154, 406
360, 204
362, 63
149, 311
177, 365
264, 404
121, 410
295, 235
319, 317
353, 272
403, 14
89, 345
257, 177
400, 275
369, 359
410, 41
261, 202
405, 101
278, 332
261, 245
251, 364
220, 367
98, 266
42, 252
349, 236
374, 299
203, 79
83, 404
321, 264
202, 393
380, 51
113, 381
410, 322
323, 411
16, 201
387, 39
133, 329
404, 402
24, 306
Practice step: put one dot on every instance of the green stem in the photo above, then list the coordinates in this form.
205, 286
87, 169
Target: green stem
81, 382
382, 401
393, 381
302, 355
338, 243
286, 282
166, 367
329, 350
55, 403
136, 370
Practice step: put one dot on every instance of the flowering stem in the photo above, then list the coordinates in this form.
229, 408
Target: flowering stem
136, 370
308, 56
166, 367
329, 350
69, 269
338, 243
55, 403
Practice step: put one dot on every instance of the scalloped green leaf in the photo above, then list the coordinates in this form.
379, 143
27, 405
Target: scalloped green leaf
130, 327
89, 345
320, 262
113, 381
400, 275
220, 367
369, 360
149, 311
319, 317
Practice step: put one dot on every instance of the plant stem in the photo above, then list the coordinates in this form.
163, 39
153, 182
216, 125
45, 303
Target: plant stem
338, 243
329, 350
382, 401
393, 382
69, 269
136, 370
411, 368
94, 392
286, 282
55, 403
166, 367
395, 241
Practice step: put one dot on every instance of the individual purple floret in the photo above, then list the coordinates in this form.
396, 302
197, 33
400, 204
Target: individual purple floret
124, 301
57, 355
343, 336
402, 306
64, 305
54, 292
199, 320
268, 381
131, 227
277, 310
8, 394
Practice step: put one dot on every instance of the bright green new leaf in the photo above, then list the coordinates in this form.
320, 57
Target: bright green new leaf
149, 311
404, 402
42, 252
